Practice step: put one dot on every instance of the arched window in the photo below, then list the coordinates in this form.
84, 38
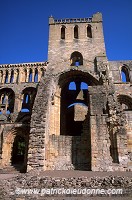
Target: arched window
7, 100
125, 102
30, 76
89, 31
26, 103
76, 59
76, 32
84, 86
28, 99
72, 86
125, 75
63, 32
36, 76
6, 77
12, 77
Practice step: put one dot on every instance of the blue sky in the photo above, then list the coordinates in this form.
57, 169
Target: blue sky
24, 26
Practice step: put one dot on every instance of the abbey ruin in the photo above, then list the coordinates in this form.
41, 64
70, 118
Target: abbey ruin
73, 111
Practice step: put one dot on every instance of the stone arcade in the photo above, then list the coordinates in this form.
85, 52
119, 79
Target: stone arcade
72, 112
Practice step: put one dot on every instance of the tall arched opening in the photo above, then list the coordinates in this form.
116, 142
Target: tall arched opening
75, 127
15, 148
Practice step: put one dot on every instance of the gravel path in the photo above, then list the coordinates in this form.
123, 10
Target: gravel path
68, 174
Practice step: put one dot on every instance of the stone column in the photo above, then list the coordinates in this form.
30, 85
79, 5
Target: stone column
18, 102
22, 75
100, 142
130, 76
9, 76
15, 76
1, 76
4, 75
28, 70
39, 75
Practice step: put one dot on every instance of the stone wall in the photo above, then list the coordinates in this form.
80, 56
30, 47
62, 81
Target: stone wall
40, 125
68, 153
115, 69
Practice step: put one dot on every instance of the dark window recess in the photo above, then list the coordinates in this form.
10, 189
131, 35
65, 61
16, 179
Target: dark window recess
63, 33
76, 59
76, 32
89, 32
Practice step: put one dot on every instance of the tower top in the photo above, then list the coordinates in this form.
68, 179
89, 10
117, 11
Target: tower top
95, 18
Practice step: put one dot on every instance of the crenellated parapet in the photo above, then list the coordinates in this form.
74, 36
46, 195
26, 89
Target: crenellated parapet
95, 18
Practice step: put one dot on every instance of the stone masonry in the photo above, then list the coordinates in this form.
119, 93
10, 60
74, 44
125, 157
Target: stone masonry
72, 112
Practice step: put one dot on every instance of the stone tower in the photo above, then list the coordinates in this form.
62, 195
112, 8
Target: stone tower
78, 104
79, 37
